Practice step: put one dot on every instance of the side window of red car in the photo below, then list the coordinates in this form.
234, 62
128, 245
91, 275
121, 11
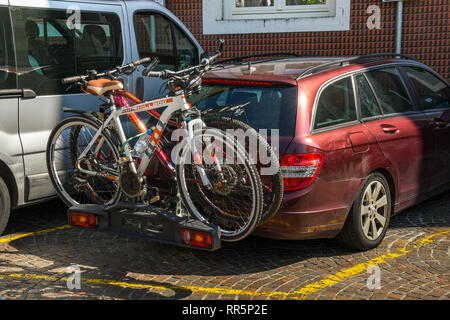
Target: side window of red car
433, 93
367, 101
390, 90
336, 105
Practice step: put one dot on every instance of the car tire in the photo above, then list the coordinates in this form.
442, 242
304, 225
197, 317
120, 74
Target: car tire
370, 215
5, 205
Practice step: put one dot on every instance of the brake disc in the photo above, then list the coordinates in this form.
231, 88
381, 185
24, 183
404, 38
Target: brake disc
224, 185
131, 184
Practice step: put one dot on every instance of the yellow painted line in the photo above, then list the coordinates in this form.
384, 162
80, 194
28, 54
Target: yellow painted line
135, 285
300, 294
31, 234
349, 272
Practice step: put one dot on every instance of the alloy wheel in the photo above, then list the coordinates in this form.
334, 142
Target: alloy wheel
374, 210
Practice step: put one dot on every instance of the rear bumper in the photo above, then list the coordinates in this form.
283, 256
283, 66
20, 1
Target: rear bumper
304, 225
148, 222
318, 211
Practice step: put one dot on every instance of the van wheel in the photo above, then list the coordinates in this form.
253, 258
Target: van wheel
369, 217
5, 205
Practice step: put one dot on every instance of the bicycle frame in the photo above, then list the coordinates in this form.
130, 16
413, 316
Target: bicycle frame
173, 104
123, 99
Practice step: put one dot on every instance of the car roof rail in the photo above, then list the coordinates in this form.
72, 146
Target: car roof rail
350, 59
261, 55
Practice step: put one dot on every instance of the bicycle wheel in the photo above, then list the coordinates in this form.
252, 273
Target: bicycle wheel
66, 142
234, 204
272, 180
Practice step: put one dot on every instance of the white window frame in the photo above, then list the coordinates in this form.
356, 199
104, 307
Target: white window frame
216, 20
278, 10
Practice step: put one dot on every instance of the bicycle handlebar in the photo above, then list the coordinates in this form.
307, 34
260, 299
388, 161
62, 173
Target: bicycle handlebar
156, 74
204, 64
184, 74
214, 56
92, 74
73, 79
142, 61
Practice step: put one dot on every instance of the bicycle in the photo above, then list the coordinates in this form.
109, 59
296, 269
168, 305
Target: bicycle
96, 169
221, 118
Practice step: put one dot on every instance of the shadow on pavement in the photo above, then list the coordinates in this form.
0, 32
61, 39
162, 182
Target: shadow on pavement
114, 257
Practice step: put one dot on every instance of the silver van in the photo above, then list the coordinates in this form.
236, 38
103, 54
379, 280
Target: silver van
43, 41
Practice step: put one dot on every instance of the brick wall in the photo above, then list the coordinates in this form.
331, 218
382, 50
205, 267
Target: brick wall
426, 34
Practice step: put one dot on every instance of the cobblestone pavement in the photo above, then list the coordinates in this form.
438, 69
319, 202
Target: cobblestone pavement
413, 262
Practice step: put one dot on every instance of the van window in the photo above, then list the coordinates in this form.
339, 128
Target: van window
50, 47
433, 93
186, 51
390, 90
156, 36
154, 39
7, 61
336, 105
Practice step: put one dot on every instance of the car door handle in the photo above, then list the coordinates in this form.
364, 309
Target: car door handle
440, 123
389, 129
17, 93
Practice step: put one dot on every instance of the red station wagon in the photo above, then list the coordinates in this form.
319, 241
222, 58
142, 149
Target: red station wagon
368, 136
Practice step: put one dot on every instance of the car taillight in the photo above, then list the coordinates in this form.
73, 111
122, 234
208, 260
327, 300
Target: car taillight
196, 238
237, 82
300, 170
86, 220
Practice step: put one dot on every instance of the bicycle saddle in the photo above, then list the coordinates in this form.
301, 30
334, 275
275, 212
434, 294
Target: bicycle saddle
100, 86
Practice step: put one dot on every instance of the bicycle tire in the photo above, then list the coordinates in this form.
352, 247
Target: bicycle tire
64, 189
273, 194
213, 212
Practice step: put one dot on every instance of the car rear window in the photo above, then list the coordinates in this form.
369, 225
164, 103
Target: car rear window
269, 108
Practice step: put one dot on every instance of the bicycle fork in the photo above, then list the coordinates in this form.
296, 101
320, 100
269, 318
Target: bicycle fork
198, 123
